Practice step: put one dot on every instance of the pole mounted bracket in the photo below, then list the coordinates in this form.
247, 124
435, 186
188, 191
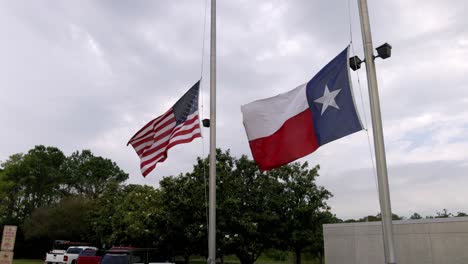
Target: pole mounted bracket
384, 51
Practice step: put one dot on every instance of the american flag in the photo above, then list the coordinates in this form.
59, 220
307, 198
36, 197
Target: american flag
180, 124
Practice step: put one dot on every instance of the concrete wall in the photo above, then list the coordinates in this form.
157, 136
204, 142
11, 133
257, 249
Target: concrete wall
428, 241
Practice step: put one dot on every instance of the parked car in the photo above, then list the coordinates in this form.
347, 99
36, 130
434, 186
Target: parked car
130, 255
73, 252
59, 248
90, 256
55, 256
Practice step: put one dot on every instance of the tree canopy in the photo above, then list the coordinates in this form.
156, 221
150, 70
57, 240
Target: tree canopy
85, 174
30, 181
83, 197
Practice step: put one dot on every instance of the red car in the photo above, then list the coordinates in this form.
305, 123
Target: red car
90, 256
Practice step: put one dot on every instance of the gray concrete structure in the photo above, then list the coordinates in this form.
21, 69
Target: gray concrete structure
428, 241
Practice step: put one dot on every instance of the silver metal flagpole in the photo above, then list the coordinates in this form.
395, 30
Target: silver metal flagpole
212, 184
384, 193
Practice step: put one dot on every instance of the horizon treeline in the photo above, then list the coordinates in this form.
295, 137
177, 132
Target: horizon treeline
83, 197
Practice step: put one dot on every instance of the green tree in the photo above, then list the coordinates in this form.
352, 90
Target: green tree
415, 216
86, 174
184, 213
255, 210
377, 217
245, 216
103, 214
303, 201
135, 217
30, 181
69, 220
247, 209
318, 220
444, 214
8, 198
185, 205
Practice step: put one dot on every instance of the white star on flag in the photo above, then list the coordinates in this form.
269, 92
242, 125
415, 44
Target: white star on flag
328, 99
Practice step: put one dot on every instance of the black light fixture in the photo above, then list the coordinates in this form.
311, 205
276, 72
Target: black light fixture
206, 122
384, 51
355, 63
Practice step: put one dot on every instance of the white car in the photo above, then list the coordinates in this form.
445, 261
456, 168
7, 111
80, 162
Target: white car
55, 256
72, 253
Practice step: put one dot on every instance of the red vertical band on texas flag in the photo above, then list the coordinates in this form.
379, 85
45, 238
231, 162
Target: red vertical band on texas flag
294, 124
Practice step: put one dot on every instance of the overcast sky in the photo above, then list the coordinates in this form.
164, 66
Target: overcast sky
89, 74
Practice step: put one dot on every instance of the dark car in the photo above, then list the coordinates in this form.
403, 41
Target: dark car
130, 255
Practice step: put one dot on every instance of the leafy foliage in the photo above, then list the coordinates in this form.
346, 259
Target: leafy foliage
82, 197
51, 196
30, 181
86, 174
135, 216
415, 216
184, 214
247, 209
303, 209
69, 220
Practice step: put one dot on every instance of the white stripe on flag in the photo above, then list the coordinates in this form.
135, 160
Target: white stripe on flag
264, 117
154, 136
151, 127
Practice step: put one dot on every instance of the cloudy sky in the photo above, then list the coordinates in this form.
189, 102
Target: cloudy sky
88, 74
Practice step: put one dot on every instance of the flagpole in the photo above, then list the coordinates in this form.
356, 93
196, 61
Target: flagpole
212, 181
382, 178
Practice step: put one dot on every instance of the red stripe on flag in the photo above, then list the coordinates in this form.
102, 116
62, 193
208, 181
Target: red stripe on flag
168, 146
295, 139
152, 142
183, 141
178, 130
149, 146
168, 139
186, 124
150, 168
154, 149
148, 135
153, 123
185, 132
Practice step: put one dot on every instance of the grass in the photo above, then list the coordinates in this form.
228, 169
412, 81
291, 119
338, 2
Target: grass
269, 257
28, 261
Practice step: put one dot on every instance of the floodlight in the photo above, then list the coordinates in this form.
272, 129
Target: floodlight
384, 51
206, 122
355, 63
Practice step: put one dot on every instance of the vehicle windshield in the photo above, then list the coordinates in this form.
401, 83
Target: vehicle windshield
88, 252
64, 244
74, 250
60, 245
115, 259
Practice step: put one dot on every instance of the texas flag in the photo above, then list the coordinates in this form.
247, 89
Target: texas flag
294, 124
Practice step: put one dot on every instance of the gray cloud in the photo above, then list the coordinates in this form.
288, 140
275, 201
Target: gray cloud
89, 74
415, 187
